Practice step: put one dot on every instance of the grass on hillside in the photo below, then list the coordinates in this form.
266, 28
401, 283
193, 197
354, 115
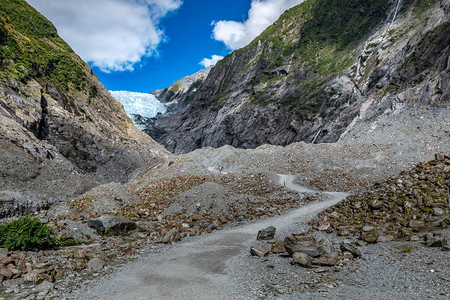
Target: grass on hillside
31, 48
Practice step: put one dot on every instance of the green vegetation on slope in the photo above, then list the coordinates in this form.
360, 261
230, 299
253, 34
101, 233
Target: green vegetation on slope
26, 233
29, 234
317, 39
31, 48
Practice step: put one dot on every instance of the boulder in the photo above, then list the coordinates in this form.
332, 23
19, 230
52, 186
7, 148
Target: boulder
301, 259
294, 239
266, 234
437, 211
7, 273
312, 249
327, 246
433, 241
13, 282
172, 236
446, 244
278, 247
44, 287
7, 260
78, 231
326, 261
385, 238
370, 236
346, 247
260, 249
96, 264
113, 225
97, 225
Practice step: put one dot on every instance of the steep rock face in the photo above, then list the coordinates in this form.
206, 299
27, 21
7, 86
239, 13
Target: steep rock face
61, 132
317, 71
182, 90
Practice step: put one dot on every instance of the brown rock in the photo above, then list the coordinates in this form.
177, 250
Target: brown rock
301, 259
260, 249
299, 239
7, 273
370, 236
312, 249
385, 238
7, 260
326, 261
324, 226
172, 236
278, 247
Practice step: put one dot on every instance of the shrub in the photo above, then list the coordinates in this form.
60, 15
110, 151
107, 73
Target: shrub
27, 234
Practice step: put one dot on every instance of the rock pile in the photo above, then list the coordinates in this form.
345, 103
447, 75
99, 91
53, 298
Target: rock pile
112, 227
51, 273
400, 207
305, 250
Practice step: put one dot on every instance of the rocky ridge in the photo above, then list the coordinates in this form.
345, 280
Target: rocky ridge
276, 91
182, 91
61, 131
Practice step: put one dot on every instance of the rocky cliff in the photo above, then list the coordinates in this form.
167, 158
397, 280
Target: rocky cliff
183, 90
320, 69
61, 132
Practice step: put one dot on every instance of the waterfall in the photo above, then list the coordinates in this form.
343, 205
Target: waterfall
316, 136
399, 2
358, 68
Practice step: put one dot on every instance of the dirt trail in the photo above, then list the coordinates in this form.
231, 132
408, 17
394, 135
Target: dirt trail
198, 268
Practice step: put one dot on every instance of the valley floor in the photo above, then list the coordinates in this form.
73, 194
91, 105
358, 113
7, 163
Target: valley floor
219, 266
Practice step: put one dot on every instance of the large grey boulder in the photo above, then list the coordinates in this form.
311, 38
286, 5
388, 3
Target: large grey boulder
112, 225
266, 234
78, 231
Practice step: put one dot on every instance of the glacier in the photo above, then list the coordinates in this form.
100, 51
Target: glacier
144, 105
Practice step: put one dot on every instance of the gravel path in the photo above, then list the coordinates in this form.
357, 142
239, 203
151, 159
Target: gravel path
219, 266
202, 267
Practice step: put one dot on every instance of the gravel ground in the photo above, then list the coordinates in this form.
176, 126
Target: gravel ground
219, 265
198, 268
387, 271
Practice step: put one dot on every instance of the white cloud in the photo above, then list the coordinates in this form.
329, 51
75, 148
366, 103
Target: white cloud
207, 62
261, 15
113, 35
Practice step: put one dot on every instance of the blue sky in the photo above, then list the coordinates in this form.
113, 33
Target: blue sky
188, 40
143, 45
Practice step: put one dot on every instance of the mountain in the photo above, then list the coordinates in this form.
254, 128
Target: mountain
322, 68
183, 89
61, 132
